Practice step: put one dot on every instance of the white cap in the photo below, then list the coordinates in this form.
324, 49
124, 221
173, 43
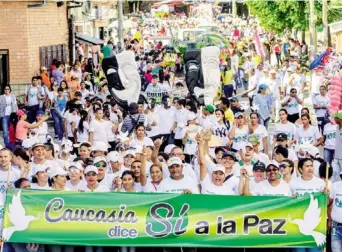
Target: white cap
91, 168
174, 160
38, 168
100, 146
219, 167
168, 148
248, 144
27, 143
76, 165
113, 156
57, 171
99, 159
129, 152
191, 116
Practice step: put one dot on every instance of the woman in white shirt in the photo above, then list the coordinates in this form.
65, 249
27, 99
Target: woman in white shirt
140, 140
240, 133
75, 183
260, 131
111, 128
156, 175
286, 169
58, 179
40, 179
42, 130
188, 137
222, 127
308, 134
83, 127
213, 184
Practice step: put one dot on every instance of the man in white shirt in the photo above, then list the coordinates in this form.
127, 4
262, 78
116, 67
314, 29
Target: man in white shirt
177, 182
166, 114
321, 103
180, 122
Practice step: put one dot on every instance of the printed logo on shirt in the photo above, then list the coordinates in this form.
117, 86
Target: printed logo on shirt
240, 139
338, 202
331, 135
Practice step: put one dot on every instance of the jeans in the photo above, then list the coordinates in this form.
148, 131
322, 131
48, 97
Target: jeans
32, 112
278, 59
307, 250
337, 168
59, 125
336, 237
5, 125
228, 90
329, 155
321, 121
264, 122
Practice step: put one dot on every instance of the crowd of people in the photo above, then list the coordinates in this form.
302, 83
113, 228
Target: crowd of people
166, 143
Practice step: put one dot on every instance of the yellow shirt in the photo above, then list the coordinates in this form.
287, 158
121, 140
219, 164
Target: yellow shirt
229, 115
228, 77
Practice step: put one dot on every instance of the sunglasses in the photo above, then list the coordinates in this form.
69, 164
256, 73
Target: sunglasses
98, 165
91, 174
272, 170
282, 166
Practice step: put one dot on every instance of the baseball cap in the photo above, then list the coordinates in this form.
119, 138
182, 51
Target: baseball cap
99, 159
234, 99
78, 93
209, 108
272, 164
99, 146
174, 160
229, 154
248, 144
263, 86
37, 144
217, 149
259, 166
253, 139
40, 112
57, 171
168, 148
91, 168
219, 167
129, 152
27, 143
20, 112
38, 168
191, 116
238, 114
113, 156
76, 165
281, 137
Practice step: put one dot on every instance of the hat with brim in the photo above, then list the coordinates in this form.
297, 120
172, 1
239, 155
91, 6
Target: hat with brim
91, 168
39, 144
338, 115
272, 164
174, 161
229, 154
238, 114
209, 108
219, 167
58, 171
259, 166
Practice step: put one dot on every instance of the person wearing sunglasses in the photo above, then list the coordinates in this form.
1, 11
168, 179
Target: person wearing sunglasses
8, 105
75, 182
102, 177
286, 169
272, 186
291, 104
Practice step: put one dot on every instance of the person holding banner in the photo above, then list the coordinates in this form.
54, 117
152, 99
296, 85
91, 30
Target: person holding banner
156, 174
91, 177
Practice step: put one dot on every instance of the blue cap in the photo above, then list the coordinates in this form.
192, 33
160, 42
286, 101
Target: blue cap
40, 112
263, 86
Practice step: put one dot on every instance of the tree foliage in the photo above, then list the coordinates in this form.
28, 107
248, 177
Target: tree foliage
276, 15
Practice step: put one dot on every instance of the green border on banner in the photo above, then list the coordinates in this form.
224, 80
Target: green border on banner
164, 220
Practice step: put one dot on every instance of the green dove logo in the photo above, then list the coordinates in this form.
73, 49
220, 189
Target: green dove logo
312, 218
18, 217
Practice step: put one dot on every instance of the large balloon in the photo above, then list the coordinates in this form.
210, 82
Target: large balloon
203, 74
124, 81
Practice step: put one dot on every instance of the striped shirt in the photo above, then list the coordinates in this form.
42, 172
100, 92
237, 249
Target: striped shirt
131, 121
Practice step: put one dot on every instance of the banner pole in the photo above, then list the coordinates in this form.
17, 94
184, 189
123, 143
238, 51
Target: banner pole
326, 175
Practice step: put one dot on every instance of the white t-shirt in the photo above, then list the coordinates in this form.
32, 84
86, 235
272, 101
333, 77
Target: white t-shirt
330, 135
170, 185
190, 146
166, 119
109, 131
32, 95
288, 128
260, 132
8, 109
336, 195
309, 136
264, 188
76, 187
302, 187
262, 157
70, 118
140, 144
100, 188
151, 187
181, 120
208, 187
83, 136
42, 131
99, 130
321, 101
221, 130
293, 106
240, 138
37, 187
153, 117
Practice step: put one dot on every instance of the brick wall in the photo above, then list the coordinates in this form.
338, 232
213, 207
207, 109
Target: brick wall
24, 30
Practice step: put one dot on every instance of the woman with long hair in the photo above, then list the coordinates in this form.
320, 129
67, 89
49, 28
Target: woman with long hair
222, 128
83, 127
